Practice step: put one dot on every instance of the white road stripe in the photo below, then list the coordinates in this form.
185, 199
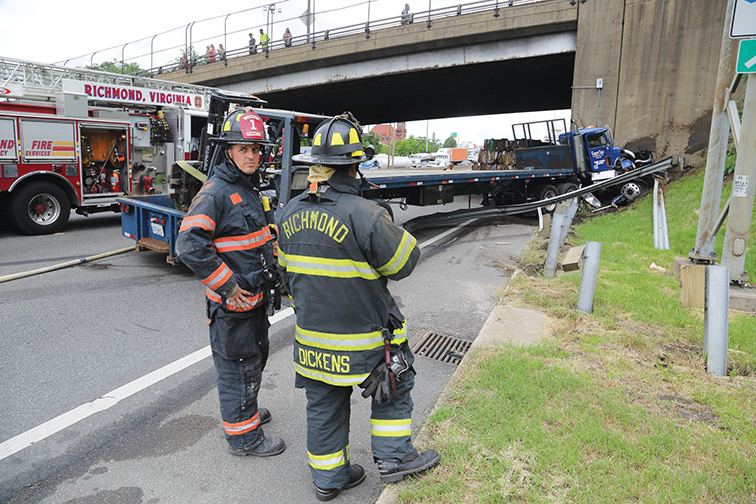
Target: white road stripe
57, 424
445, 234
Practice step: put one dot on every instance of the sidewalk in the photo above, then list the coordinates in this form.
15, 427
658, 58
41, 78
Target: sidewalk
505, 325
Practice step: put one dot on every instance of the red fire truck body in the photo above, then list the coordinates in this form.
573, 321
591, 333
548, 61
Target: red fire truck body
78, 139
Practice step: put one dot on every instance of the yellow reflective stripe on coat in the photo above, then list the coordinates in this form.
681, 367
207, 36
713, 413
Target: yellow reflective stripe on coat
330, 461
320, 266
339, 342
391, 428
401, 256
331, 379
347, 342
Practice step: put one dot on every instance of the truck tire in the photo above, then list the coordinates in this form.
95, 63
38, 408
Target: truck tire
40, 208
546, 191
566, 187
633, 190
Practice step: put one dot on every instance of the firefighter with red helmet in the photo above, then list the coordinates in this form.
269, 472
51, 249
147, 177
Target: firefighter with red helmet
226, 239
337, 252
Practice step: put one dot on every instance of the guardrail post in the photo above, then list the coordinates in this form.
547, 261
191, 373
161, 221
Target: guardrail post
552, 255
591, 257
716, 312
560, 226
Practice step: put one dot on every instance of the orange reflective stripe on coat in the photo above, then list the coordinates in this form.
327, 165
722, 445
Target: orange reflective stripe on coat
218, 277
246, 242
234, 429
255, 301
200, 221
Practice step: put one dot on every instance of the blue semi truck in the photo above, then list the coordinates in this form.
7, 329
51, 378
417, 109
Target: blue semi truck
588, 152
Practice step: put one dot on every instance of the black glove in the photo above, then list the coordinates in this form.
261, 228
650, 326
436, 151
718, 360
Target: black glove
381, 383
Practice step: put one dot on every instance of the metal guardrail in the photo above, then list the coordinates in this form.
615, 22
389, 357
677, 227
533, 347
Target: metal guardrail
445, 219
426, 17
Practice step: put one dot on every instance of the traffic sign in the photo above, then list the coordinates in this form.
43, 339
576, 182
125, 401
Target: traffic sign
743, 19
746, 57
307, 18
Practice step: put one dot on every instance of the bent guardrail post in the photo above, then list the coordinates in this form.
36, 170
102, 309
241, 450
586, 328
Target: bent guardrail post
591, 257
560, 221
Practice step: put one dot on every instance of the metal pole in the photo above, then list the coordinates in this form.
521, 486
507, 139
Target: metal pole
429, 13
665, 227
367, 25
191, 66
741, 201
187, 58
225, 42
426, 135
309, 19
591, 257
716, 311
570, 215
122, 50
552, 255
717, 151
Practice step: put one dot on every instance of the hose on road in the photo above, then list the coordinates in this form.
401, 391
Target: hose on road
16, 276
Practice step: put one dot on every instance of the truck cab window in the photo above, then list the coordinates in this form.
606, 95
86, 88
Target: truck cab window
595, 140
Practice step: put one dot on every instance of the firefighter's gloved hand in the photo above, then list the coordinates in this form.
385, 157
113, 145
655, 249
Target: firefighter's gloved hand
381, 383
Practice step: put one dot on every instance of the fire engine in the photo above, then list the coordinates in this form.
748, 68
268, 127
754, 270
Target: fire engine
74, 138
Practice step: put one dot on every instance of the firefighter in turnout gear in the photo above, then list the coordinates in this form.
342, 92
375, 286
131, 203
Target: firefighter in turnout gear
337, 251
229, 244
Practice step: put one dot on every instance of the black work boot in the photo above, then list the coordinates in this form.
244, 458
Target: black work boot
356, 476
271, 445
265, 415
394, 469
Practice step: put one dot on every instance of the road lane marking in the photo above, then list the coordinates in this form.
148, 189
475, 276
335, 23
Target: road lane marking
445, 233
57, 424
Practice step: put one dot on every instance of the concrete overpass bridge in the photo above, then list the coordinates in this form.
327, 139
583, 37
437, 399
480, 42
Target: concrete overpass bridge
646, 68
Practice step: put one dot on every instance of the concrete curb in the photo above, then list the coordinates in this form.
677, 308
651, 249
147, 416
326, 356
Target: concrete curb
505, 325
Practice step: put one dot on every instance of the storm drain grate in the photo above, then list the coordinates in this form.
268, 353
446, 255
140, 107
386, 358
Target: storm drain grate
439, 347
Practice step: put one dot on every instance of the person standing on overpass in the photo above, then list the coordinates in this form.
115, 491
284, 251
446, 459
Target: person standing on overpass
337, 252
405, 14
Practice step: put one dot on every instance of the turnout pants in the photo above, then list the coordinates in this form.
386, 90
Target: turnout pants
238, 371
328, 412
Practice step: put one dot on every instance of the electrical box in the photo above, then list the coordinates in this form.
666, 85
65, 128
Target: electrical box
431, 195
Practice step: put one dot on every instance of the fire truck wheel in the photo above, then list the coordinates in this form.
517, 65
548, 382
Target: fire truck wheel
40, 208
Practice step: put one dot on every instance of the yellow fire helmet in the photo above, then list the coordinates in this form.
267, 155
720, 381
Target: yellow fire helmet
336, 141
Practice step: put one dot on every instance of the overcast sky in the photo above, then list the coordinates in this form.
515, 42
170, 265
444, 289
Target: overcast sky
72, 31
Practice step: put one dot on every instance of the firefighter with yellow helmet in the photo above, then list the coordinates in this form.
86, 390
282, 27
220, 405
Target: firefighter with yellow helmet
226, 240
337, 252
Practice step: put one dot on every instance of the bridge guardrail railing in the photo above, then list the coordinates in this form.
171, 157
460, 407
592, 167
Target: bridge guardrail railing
367, 28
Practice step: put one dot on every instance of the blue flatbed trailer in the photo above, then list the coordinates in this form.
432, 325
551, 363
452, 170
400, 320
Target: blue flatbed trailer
153, 222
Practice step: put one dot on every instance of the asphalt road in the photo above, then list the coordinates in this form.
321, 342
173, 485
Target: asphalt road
109, 394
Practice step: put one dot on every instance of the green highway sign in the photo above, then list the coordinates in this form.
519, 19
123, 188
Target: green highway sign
747, 57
